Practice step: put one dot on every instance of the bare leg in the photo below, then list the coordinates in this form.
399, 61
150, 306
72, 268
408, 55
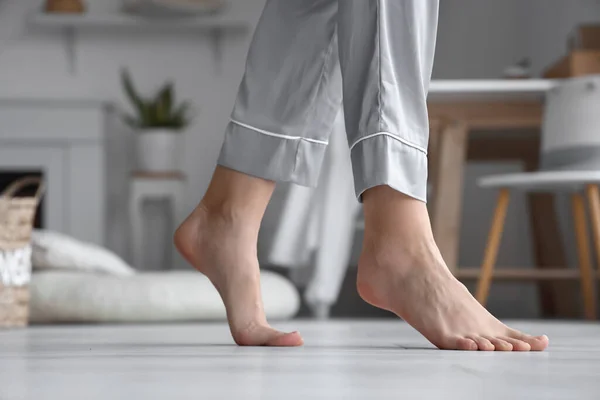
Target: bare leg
401, 270
219, 239
280, 124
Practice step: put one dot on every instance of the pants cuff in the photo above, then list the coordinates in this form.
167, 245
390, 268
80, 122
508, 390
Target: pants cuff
272, 156
384, 160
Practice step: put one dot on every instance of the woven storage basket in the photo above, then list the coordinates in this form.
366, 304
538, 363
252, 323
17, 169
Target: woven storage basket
16, 223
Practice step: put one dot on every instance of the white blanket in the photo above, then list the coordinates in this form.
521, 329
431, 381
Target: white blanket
55, 251
63, 296
76, 281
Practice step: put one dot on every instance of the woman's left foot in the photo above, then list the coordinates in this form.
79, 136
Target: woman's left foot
224, 250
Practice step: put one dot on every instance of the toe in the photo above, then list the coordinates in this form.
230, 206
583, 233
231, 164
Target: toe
499, 344
291, 339
483, 343
464, 343
537, 343
264, 335
518, 345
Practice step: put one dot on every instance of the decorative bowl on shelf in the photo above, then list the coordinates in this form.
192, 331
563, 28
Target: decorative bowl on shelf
65, 6
171, 8
519, 70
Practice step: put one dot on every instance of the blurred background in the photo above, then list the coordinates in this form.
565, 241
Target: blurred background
70, 70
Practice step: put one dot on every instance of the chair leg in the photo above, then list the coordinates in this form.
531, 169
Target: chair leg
491, 249
593, 197
583, 253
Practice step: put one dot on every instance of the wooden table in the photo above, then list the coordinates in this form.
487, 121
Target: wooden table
513, 109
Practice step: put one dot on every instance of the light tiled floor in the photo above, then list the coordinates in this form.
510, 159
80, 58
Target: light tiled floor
341, 359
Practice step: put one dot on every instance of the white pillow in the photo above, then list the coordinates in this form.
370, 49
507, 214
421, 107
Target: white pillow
146, 297
53, 250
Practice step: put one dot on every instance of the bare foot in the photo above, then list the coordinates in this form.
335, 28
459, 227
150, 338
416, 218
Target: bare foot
224, 249
401, 270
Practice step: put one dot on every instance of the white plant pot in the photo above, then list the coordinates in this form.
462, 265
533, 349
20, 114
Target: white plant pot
159, 150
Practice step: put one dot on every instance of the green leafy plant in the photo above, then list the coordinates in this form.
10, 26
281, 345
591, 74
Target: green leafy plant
158, 111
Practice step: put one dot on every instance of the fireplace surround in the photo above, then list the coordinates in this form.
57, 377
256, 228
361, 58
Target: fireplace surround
64, 141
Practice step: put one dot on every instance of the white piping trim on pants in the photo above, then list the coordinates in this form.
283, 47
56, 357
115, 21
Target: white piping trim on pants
277, 135
406, 142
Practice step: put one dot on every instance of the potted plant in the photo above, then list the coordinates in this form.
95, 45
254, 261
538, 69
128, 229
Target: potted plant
158, 120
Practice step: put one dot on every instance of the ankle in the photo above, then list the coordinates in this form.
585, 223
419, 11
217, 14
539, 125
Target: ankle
226, 225
224, 212
390, 213
377, 264
386, 266
236, 197
397, 244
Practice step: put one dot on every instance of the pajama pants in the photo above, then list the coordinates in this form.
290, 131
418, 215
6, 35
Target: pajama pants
307, 58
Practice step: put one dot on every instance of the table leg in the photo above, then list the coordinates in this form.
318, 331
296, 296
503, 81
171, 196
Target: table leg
178, 214
446, 205
136, 223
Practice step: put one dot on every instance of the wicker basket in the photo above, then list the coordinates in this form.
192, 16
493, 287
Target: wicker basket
16, 223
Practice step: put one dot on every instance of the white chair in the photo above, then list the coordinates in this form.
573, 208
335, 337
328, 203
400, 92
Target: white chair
570, 161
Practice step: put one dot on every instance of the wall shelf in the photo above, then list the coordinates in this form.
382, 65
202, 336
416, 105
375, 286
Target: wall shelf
214, 25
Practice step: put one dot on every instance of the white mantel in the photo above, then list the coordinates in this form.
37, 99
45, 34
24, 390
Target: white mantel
65, 140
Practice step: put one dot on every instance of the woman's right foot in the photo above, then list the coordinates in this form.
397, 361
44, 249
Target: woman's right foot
223, 248
402, 270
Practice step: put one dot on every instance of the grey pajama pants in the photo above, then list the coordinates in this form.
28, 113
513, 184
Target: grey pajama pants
304, 56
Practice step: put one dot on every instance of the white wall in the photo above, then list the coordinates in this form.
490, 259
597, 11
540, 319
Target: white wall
477, 38
549, 22
33, 63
